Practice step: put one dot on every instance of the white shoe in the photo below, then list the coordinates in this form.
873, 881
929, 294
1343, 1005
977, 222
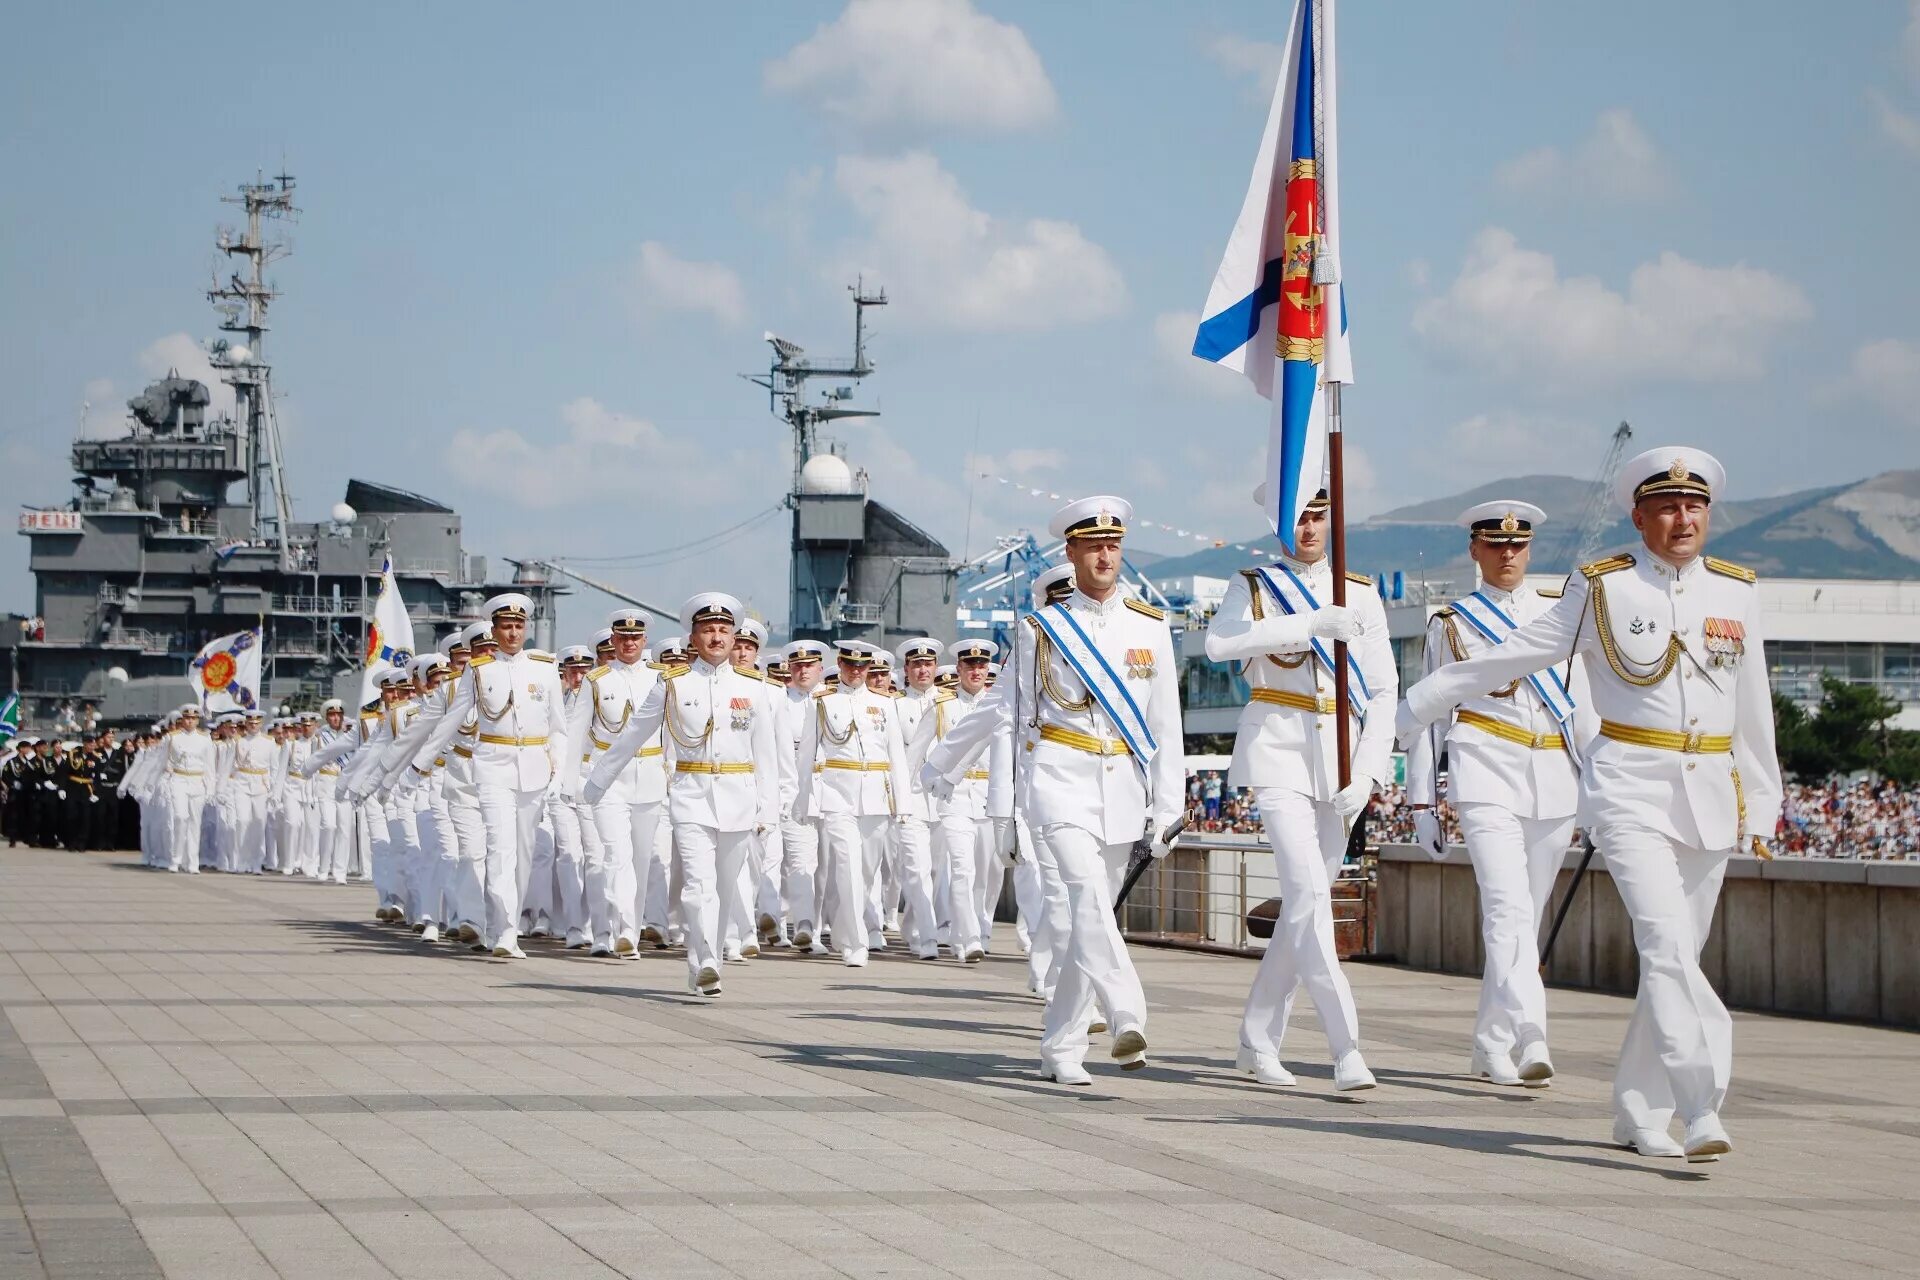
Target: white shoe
803, 936
706, 982
927, 953
623, 946
467, 933
1350, 1074
1497, 1069
1648, 1142
1130, 1049
652, 935
855, 959
1065, 1073
508, 950
1536, 1068
542, 926
577, 939
601, 949
431, 933
766, 924
876, 941
1707, 1139
732, 953
974, 955
1264, 1067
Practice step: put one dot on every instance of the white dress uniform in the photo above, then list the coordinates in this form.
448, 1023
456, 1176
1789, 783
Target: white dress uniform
1088, 792
627, 816
799, 816
1682, 773
333, 816
1286, 752
1513, 780
852, 767
188, 772
726, 782
250, 780
519, 751
912, 836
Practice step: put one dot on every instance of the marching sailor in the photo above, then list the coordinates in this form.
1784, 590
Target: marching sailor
727, 772
964, 822
799, 817
519, 750
911, 853
1513, 781
1093, 702
1279, 621
189, 769
1682, 774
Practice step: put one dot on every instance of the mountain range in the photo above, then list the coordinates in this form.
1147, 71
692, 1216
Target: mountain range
1869, 529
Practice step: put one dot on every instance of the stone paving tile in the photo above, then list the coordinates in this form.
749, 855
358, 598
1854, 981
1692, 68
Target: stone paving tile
274, 1085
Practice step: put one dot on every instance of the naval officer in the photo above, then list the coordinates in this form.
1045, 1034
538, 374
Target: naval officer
519, 750
1682, 774
1093, 704
1513, 781
1279, 621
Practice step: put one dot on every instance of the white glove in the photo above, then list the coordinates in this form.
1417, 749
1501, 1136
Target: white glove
1159, 850
1349, 800
590, 792
1428, 835
93, 799
1335, 622
1406, 726
1005, 841
935, 784
60, 793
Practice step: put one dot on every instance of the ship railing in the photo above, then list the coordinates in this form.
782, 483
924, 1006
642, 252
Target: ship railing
112, 593
185, 527
860, 615
1201, 893
318, 606
427, 565
135, 638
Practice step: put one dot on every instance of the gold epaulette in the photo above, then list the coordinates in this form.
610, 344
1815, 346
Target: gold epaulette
480, 661
750, 673
658, 666
369, 715
539, 655
1551, 593
1444, 611
944, 695
1360, 578
824, 692
669, 673
1728, 569
1141, 606
1609, 565
597, 672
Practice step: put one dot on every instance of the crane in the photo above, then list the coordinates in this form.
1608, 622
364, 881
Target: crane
556, 567
1583, 538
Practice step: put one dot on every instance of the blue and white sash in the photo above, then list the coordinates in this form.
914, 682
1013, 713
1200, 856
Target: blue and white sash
1294, 597
1102, 681
1487, 618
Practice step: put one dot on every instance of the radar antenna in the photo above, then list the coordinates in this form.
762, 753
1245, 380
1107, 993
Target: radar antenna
242, 302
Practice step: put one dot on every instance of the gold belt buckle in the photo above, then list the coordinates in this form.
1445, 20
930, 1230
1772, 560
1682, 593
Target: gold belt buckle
1539, 742
1106, 746
1690, 745
1326, 706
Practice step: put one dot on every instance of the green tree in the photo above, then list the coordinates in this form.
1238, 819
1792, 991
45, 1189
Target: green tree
1803, 755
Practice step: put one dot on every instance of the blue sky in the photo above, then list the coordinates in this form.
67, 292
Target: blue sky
536, 250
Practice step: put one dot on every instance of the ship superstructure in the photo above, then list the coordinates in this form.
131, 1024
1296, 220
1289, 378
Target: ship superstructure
180, 529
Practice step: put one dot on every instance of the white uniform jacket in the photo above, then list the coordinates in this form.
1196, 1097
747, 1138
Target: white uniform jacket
852, 758
190, 761
610, 696
727, 761
984, 790
1677, 675
912, 707
1294, 747
1483, 767
520, 738
1070, 766
795, 706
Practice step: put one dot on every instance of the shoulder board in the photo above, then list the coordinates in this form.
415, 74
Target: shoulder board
1550, 593
750, 673
659, 666
539, 655
480, 661
1609, 565
597, 672
944, 695
1726, 568
369, 715
669, 673
1141, 606
1445, 611
1360, 578
824, 692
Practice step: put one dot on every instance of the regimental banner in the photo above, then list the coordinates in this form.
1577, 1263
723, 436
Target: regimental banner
226, 674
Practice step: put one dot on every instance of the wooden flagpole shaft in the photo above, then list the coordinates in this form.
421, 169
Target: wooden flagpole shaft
1337, 528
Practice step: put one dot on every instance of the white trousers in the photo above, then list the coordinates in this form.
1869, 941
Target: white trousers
989, 878
799, 867
381, 859
510, 817
912, 848
710, 862
569, 909
769, 907
1309, 841
536, 877
1095, 966
618, 873
956, 838
249, 831
1515, 862
467, 887
656, 897
848, 843
185, 808
1678, 1053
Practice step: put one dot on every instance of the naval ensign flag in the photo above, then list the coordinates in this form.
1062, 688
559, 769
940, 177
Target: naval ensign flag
389, 634
1276, 311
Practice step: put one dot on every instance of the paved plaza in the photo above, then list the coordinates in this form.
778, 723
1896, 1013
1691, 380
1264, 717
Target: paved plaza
223, 1077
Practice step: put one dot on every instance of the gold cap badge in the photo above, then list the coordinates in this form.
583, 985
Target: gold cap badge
1678, 469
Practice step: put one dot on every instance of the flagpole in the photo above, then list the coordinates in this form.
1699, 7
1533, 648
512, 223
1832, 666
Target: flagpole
1337, 518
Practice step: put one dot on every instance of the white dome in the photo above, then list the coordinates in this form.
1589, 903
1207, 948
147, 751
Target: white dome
825, 473
343, 514
238, 354
116, 675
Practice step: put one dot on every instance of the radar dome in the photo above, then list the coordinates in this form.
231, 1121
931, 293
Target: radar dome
238, 354
343, 514
825, 473
116, 675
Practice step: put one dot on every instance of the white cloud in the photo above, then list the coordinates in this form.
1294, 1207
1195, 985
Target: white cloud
1887, 372
1617, 161
954, 266
1900, 128
665, 282
1505, 443
1512, 312
1173, 344
893, 65
603, 453
105, 413
1256, 61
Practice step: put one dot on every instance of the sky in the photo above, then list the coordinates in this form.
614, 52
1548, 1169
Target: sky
535, 250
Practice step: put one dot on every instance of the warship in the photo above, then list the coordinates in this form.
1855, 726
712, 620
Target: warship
180, 530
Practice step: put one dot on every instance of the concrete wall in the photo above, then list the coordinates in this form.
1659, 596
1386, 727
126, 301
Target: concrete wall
1797, 936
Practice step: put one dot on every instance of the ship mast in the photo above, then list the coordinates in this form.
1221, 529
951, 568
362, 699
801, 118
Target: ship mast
242, 301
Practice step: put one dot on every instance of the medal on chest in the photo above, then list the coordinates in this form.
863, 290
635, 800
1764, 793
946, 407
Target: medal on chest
1726, 640
1140, 664
742, 711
